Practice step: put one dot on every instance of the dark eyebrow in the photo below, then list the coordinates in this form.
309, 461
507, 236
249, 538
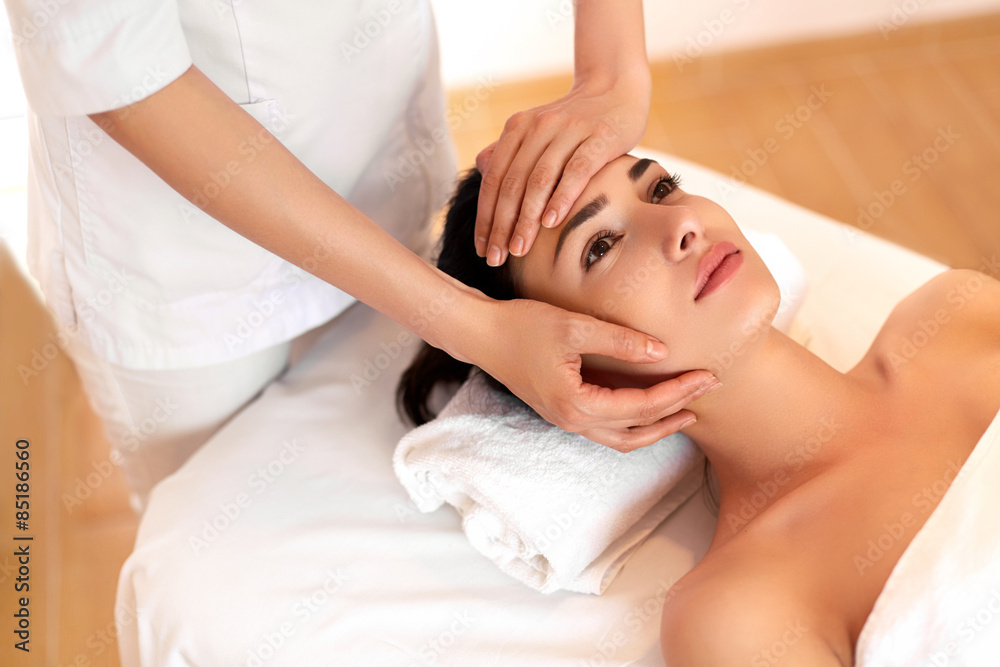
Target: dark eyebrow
583, 215
638, 169
635, 172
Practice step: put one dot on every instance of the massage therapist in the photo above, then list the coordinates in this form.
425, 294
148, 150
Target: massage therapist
315, 132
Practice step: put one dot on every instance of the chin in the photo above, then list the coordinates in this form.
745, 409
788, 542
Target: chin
760, 306
754, 293
751, 310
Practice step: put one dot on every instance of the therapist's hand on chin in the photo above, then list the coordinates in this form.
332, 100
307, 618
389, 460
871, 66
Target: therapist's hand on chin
546, 156
536, 352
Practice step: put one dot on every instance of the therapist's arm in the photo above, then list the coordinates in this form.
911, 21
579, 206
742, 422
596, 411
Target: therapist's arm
190, 130
547, 155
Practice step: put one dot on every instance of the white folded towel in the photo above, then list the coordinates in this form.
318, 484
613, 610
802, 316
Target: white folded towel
552, 509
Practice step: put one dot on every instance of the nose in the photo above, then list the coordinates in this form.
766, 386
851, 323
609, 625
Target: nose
682, 233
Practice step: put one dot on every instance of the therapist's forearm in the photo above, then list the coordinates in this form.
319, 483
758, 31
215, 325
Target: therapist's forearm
190, 130
610, 43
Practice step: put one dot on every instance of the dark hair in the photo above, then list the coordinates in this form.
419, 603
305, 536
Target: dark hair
432, 368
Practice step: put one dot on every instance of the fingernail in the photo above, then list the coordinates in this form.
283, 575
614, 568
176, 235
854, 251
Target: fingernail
711, 386
480, 246
550, 219
655, 349
516, 246
493, 259
687, 423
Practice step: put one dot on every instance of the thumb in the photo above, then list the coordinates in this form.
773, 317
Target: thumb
593, 336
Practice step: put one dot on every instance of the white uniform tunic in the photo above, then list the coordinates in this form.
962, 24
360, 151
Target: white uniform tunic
144, 278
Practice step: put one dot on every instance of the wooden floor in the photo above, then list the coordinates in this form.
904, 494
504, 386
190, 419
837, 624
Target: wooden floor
899, 135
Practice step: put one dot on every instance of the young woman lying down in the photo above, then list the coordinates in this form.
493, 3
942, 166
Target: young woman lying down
812, 464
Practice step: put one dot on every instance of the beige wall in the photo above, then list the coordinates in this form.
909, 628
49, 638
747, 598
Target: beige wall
519, 38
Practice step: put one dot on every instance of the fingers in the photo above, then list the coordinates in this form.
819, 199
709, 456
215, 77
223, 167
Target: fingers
675, 393
542, 181
623, 418
544, 159
589, 335
641, 436
649, 414
523, 170
531, 171
586, 161
522, 177
497, 183
483, 158
540, 184
625, 408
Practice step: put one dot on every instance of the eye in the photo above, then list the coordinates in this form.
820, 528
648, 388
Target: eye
601, 246
663, 187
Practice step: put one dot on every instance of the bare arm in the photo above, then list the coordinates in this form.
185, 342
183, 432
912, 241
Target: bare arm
190, 129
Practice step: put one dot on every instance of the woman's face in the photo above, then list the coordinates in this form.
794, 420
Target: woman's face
639, 251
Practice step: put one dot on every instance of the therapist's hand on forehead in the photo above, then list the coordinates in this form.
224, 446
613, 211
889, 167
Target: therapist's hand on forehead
531, 177
186, 132
547, 155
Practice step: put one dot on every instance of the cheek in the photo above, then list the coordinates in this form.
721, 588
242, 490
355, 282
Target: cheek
657, 313
638, 296
711, 333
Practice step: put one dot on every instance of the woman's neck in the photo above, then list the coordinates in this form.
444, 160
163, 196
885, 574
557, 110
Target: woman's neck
775, 422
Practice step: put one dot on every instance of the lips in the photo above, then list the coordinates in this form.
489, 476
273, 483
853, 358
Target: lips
716, 268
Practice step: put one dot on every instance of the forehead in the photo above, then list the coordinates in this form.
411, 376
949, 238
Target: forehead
618, 173
534, 269
614, 179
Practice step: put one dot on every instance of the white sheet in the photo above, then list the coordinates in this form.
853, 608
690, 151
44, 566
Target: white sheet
941, 604
318, 557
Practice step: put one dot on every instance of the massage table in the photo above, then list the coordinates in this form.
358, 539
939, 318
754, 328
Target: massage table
287, 539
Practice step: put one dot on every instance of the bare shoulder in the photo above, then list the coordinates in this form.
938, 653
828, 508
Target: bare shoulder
954, 294
740, 618
959, 307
